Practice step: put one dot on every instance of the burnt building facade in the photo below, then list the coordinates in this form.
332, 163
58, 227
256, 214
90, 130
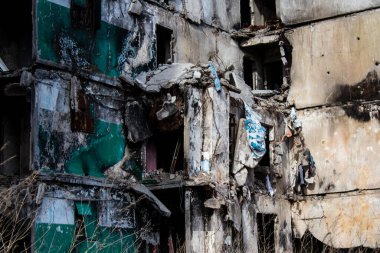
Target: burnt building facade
189, 126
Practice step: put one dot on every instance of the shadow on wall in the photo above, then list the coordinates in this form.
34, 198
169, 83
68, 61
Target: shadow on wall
367, 89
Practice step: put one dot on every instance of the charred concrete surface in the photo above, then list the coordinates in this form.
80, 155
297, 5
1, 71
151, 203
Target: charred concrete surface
190, 126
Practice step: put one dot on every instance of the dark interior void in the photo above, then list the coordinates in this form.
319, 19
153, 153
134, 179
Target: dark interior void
172, 230
245, 12
164, 38
248, 71
265, 12
273, 72
263, 68
16, 33
14, 135
236, 113
169, 148
265, 161
265, 232
233, 128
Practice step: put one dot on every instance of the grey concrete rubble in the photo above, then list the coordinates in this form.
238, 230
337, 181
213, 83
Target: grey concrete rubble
135, 7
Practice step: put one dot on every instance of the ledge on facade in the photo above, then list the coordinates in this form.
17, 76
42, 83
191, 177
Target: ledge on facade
86, 74
252, 36
105, 182
169, 75
264, 93
178, 181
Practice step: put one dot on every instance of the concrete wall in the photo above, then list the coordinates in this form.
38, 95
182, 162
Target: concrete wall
335, 61
222, 14
300, 11
344, 148
335, 87
199, 44
340, 221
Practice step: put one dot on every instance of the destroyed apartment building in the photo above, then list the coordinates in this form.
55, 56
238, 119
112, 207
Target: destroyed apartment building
189, 126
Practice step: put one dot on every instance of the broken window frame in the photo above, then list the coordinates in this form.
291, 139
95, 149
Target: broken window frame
175, 149
259, 63
245, 13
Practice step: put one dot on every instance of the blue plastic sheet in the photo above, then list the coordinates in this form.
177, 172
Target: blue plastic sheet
255, 132
217, 84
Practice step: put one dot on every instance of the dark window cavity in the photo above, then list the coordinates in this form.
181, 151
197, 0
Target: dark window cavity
164, 45
245, 12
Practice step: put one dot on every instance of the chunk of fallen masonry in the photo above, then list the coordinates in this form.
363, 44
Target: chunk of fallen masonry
166, 111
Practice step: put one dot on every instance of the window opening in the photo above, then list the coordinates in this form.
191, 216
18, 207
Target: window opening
245, 12
265, 70
264, 12
164, 152
249, 70
164, 44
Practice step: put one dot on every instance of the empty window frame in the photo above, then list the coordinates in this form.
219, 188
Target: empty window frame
165, 151
245, 13
265, 70
164, 44
14, 135
264, 12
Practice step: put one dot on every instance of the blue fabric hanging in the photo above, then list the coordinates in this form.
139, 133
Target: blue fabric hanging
255, 132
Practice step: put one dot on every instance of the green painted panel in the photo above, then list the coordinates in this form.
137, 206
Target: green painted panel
87, 247
105, 148
59, 238
83, 208
116, 240
55, 238
58, 42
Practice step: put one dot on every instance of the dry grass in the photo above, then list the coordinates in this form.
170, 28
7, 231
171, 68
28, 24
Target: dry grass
18, 212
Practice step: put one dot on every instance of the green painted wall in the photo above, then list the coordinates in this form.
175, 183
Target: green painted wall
55, 238
60, 43
104, 149
59, 238
62, 238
